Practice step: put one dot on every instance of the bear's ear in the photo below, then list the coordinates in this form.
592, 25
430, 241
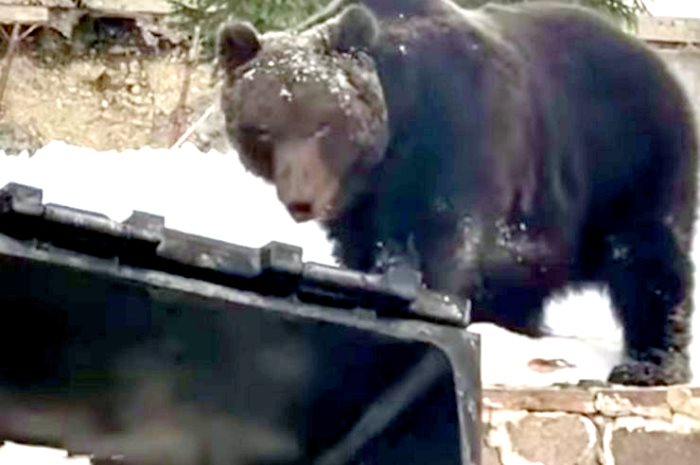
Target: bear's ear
237, 44
355, 29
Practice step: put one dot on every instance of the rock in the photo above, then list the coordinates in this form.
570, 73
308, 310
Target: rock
642, 447
559, 439
489, 456
14, 139
518, 438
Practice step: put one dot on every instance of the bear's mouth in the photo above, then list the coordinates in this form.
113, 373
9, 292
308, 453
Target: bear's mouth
301, 211
320, 206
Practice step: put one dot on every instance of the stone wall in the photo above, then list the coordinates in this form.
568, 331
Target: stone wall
599, 426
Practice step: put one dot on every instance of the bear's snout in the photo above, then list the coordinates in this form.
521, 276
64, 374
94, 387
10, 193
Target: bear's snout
305, 185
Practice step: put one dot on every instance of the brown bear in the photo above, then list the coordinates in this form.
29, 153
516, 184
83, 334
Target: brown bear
504, 153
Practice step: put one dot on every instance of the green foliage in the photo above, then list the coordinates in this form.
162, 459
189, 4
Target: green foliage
265, 15
623, 10
627, 11
268, 15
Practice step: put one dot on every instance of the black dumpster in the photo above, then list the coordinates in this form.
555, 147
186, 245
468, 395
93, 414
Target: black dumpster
138, 344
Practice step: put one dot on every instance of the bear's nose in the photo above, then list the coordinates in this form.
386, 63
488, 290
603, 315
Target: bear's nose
301, 211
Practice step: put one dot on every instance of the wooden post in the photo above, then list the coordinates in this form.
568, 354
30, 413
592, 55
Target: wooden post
9, 57
17, 15
191, 130
178, 119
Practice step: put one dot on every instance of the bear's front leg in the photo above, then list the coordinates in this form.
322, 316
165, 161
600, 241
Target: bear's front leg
399, 263
395, 253
507, 269
649, 279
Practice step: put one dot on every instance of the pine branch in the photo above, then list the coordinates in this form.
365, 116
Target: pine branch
282, 14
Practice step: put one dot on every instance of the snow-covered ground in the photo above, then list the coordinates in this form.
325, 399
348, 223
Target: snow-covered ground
677, 8
19, 454
210, 194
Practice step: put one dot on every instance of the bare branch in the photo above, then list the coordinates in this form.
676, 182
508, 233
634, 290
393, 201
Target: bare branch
26, 33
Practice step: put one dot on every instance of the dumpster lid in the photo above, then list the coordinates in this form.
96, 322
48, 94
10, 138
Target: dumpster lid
277, 269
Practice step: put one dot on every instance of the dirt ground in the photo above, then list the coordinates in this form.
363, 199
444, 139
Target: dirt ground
105, 102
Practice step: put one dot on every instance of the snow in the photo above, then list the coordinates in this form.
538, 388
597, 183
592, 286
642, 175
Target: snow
674, 8
16, 454
210, 194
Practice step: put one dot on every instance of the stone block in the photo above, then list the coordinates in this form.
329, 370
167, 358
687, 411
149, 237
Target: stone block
489, 456
620, 402
641, 447
540, 399
544, 439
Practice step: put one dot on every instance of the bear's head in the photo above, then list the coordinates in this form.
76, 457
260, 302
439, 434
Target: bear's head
306, 110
